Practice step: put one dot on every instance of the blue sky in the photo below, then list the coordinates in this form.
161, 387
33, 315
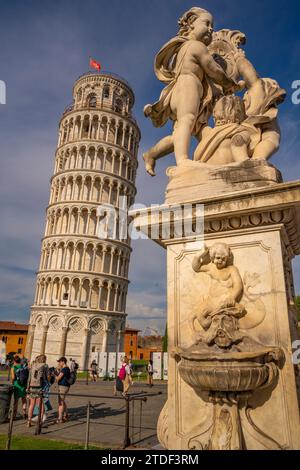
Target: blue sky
45, 46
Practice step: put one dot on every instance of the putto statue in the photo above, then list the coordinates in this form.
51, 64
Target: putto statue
219, 311
202, 71
190, 71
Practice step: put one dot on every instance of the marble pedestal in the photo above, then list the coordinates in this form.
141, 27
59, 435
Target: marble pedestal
262, 228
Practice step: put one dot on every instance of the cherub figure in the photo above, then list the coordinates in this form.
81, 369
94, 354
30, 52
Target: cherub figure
190, 71
244, 128
220, 309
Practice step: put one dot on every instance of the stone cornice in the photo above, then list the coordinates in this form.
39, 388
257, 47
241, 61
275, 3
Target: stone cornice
276, 205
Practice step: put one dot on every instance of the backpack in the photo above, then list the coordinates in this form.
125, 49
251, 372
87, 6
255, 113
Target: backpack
119, 385
52, 375
37, 374
72, 379
122, 373
22, 375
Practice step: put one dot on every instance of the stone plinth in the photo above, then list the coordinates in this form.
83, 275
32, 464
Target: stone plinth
262, 230
196, 180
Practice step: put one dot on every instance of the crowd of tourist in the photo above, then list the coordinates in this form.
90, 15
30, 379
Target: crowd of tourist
32, 383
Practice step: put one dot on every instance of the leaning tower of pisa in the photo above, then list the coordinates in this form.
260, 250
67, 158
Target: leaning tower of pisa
81, 285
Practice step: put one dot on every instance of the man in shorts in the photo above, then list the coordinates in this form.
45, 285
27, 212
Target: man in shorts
62, 379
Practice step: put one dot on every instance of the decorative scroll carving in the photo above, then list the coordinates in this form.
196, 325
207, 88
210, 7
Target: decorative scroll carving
162, 426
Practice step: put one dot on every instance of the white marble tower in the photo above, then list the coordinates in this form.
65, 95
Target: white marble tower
81, 286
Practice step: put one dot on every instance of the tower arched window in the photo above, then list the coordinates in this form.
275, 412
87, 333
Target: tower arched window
92, 101
118, 107
79, 95
106, 92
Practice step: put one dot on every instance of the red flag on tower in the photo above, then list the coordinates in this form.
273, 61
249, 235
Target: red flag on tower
94, 64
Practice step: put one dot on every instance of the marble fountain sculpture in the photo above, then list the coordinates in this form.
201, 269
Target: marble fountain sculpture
231, 313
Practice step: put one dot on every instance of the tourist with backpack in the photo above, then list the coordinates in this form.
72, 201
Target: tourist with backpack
150, 371
93, 369
19, 377
38, 385
73, 366
64, 379
123, 380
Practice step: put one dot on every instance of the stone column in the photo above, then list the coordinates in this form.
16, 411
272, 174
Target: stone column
118, 194
113, 164
90, 127
118, 337
103, 259
130, 139
121, 165
101, 190
116, 298
116, 134
90, 295
51, 292
29, 343
84, 349
104, 160
98, 131
108, 297
73, 130
63, 341
44, 339
107, 131
94, 258
126, 168
104, 344
112, 253
73, 164
123, 136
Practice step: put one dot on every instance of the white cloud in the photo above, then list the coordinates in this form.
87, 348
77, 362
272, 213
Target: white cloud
141, 315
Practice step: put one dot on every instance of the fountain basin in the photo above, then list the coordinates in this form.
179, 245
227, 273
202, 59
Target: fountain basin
226, 372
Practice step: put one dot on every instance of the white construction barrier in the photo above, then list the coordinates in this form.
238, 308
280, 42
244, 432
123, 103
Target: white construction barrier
112, 356
157, 365
2, 352
165, 358
103, 356
94, 357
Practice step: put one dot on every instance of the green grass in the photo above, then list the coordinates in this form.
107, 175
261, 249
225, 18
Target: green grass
37, 443
141, 376
82, 375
